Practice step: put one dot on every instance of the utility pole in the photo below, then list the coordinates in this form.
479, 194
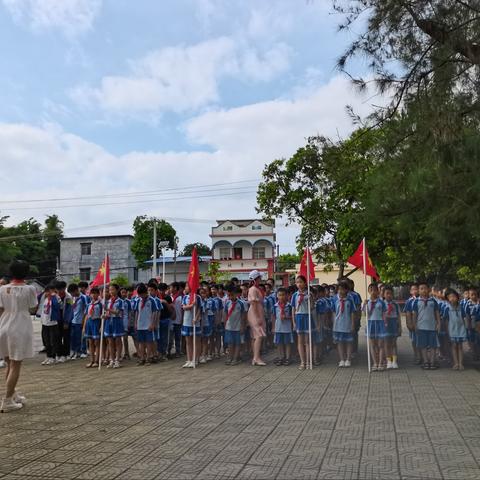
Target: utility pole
155, 247
163, 245
175, 247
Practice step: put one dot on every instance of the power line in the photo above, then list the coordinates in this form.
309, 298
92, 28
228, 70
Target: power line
134, 194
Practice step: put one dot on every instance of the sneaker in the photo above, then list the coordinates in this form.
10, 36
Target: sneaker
389, 365
341, 363
209, 358
394, 365
110, 364
203, 360
348, 363
83, 355
19, 398
46, 362
116, 364
52, 361
74, 356
192, 365
9, 405
187, 365
2, 363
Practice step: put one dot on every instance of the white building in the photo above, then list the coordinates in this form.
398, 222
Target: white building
240, 246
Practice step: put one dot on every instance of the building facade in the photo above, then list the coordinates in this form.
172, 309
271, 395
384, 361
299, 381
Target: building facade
240, 246
81, 257
176, 269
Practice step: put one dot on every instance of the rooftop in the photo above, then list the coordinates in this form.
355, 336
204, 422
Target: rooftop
94, 237
201, 259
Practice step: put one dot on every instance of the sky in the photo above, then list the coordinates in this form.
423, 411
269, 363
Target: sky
111, 109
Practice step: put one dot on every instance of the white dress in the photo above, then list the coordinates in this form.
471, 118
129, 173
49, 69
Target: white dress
16, 328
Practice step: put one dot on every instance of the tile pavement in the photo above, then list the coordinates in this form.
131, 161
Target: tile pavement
218, 422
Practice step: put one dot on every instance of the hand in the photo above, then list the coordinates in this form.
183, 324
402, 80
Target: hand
151, 328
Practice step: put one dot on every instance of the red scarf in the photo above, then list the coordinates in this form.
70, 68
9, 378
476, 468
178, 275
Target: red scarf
143, 302
91, 308
231, 309
282, 311
301, 296
342, 304
372, 305
47, 304
112, 303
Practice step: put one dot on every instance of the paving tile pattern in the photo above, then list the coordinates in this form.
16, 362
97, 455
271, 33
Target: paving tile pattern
222, 423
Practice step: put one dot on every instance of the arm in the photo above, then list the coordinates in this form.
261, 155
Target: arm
438, 320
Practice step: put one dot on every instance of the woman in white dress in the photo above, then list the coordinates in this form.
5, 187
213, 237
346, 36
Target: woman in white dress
17, 301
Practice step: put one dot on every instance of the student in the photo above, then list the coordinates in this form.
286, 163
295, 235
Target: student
269, 301
114, 329
177, 291
282, 312
49, 313
323, 312
472, 307
78, 318
454, 315
219, 324
192, 311
300, 304
376, 309
83, 286
343, 324
127, 306
167, 315
393, 328
145, 324
426, 317
235, 324
444, 348
65, 318
208, 320
408, 310
92, 327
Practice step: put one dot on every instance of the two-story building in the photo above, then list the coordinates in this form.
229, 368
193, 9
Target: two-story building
81, 257
240, 246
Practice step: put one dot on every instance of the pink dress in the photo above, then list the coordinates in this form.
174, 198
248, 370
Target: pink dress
256, 313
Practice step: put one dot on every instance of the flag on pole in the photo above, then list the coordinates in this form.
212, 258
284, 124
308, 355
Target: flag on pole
307, 267
194, 276
103, 275
365, 264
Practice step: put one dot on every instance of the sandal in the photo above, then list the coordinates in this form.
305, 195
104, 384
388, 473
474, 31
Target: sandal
94, 365
426, 366
89, 365
286, 362
301, 366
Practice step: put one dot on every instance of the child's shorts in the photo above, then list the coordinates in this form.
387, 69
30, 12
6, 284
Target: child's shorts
375, 329
92, 328
219, 329
471, 335
458, 339
391, 329
427, 339
342, 337
144, 336
131, 331
114, 327
188, 331
207, 330
232, 337
413, 336
283, 338
301, 323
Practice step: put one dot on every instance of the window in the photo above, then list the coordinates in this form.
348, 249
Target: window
256, 227
238, 253
228, 228
85, 274
258, 253
86, 248
225, 253
135, 275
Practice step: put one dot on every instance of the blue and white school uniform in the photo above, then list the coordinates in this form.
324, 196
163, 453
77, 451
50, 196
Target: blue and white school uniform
79, 311
159, 307
219, 325
283, 324
94, 320
114, 324
442, 305
455, 319
323, 307
408, 308
208, 316
127, 307
146, 309
300, 304
357, 301
426, 327
268, 305
187, 327
131, 317
375, 325
472, 311
343, 309
392, 319
234, 311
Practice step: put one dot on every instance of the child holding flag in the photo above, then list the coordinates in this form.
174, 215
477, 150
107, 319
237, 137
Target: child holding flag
192, 312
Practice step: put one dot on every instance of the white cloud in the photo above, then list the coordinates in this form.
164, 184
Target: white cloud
72, 17
47, 162
182, 78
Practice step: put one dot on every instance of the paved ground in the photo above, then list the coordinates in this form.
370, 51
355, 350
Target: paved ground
243, 422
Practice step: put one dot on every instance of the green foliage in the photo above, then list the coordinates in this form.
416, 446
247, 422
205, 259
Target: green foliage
214, 275
287, 261
121, 280
202, 249
142, 245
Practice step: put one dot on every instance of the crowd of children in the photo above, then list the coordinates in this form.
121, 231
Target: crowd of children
165, 321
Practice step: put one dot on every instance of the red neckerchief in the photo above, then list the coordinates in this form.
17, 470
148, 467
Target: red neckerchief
301, 296
143, 302
230, 310
342, 304
282, 311
112, 302
47, 304
390, 308
91, 308
372, 305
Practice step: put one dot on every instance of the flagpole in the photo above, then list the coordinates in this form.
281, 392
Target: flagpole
366, 293
309, 309
102, 323
194, 328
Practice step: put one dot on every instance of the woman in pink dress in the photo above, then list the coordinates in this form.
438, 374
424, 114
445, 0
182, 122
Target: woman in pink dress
256, 316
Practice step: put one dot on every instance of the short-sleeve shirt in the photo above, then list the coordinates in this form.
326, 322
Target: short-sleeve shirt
117, 305
375, 309
79, 310
283, 323
188, 314
233, 314
343, 308
300, 302
146, 309
425, 309
392, 309
455, 316
408, 308
94, 310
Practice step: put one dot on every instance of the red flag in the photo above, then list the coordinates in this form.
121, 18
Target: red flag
193, 275
357, 260
307, 272
103, 275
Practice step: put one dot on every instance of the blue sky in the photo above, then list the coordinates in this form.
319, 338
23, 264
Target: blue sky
104, 97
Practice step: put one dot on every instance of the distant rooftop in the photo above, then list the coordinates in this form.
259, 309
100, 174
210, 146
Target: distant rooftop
93, 237
244, 223
201, 259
